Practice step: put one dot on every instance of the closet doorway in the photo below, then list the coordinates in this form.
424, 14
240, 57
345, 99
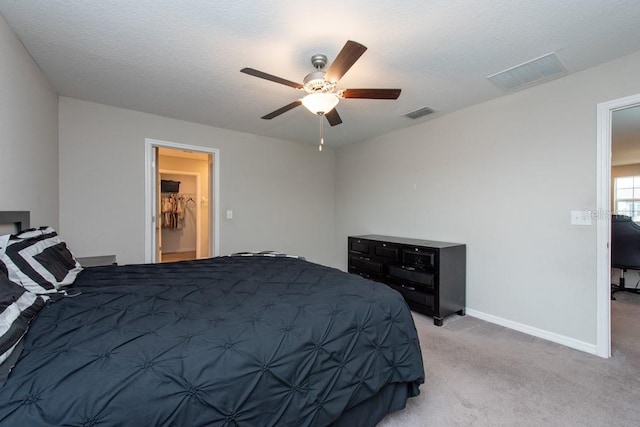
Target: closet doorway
181, 202
184, 205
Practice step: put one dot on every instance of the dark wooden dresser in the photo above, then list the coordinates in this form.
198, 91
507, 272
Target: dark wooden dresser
430, 275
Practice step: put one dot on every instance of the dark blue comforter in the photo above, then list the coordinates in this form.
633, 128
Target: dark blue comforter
253, 341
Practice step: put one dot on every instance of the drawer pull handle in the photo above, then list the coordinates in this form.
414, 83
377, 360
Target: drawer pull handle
409, 288
408, 268
365, 259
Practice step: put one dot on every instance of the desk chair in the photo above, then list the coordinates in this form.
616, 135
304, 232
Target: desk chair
625, 249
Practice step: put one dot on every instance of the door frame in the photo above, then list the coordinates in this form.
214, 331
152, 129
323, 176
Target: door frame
150, 197
603, 223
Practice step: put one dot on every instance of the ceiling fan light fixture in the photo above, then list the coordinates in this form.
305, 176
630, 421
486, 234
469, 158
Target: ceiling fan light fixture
320, 103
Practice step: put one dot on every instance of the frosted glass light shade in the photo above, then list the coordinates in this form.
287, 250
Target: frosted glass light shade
320, 103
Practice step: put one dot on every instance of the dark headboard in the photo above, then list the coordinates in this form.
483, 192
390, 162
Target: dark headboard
19, 218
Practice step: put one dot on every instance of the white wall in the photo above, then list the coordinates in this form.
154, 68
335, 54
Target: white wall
28, 134
282, 193
501, 177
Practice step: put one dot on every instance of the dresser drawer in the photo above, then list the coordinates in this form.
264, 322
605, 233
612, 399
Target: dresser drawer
365, 264
419, 257
412, 274
387, 251
360, 246
412, 294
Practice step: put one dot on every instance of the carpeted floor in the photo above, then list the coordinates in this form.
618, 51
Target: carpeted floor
178, 256
481, 374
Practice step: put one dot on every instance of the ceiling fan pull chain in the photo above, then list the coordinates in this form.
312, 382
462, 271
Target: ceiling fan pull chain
321, 132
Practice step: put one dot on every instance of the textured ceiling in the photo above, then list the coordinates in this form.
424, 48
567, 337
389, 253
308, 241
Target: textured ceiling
182, 59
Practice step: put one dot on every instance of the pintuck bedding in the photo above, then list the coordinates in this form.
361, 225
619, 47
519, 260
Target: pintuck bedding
247, 341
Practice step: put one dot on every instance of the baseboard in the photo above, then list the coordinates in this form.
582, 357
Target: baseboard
530, 330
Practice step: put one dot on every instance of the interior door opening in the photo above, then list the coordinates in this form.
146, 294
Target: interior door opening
181, 202
183, 205
605, 112
625, 200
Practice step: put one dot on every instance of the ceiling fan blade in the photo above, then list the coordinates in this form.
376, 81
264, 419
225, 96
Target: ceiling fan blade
345, 59
271, 78
371, 93
333, 117
284, 109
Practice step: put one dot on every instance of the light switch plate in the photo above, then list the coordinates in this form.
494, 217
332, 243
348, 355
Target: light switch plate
581, 217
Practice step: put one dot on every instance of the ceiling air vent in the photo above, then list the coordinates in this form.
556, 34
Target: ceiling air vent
530, 73
420, 112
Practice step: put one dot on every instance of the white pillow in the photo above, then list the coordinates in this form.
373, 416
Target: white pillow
38, 260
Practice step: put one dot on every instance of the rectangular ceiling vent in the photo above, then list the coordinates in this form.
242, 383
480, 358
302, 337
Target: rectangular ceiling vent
420, 112
530, 73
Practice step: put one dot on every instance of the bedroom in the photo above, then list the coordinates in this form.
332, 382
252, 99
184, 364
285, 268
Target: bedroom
520, 163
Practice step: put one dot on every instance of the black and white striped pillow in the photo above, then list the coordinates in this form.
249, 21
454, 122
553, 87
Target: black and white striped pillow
18, 307
38, 260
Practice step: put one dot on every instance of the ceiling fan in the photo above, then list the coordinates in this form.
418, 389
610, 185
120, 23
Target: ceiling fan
321, 87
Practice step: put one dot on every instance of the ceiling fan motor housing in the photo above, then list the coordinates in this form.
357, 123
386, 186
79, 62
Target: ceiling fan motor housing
315, 82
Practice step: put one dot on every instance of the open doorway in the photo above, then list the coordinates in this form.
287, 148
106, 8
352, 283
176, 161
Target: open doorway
181, 202
183, 205
605, 112
625, 229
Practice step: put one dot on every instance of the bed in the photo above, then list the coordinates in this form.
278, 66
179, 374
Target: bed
230, 340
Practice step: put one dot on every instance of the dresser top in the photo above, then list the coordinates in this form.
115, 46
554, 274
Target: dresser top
95, 261
407, 241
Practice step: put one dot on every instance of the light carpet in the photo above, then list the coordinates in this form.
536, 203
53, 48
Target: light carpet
481, 374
